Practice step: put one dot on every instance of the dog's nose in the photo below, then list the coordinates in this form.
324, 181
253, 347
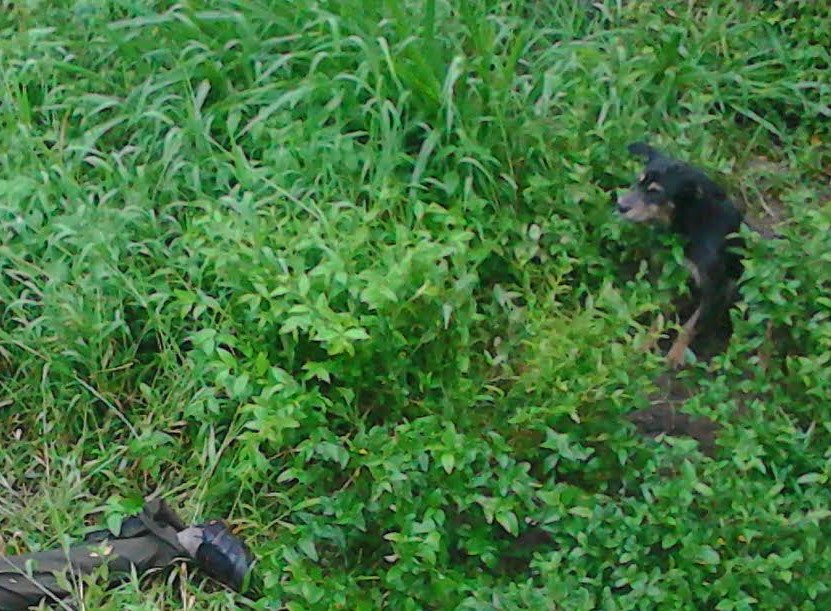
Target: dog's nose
626, 202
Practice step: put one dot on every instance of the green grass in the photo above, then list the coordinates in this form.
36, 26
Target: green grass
347, 273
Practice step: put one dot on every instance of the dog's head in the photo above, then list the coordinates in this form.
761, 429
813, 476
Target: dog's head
660, 186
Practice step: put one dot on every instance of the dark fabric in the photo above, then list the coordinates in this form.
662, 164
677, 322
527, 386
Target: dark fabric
146, 542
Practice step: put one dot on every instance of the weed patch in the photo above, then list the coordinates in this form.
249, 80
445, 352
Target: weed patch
348, 273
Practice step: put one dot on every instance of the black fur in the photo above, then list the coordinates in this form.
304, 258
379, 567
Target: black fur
698, 210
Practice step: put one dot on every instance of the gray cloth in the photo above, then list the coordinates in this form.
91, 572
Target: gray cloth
147, 541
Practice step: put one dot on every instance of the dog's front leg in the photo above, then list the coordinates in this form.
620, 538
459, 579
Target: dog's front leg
675, 356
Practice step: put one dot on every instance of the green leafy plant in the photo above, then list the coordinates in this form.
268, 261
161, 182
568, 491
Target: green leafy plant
348, 274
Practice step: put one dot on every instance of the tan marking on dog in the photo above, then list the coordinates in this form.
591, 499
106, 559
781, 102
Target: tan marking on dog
640, 213
638, 210
675, 356
694, 271
654, 186
643, 212
663, 214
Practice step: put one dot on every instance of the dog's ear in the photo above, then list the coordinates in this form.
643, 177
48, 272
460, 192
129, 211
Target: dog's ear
644, 150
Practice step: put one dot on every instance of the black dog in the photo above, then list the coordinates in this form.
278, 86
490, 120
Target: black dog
696, 208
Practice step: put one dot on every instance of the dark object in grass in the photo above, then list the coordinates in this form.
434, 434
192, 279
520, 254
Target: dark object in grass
222, 555
683, 198
155, 539
665, 419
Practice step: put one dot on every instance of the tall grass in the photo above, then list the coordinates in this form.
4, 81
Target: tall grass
347, 273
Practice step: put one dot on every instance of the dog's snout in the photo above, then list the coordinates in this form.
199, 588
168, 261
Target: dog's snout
624, 203
629, 201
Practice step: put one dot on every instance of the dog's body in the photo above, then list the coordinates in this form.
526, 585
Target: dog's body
696, 208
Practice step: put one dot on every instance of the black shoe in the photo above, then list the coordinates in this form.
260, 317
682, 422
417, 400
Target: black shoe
219, 553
